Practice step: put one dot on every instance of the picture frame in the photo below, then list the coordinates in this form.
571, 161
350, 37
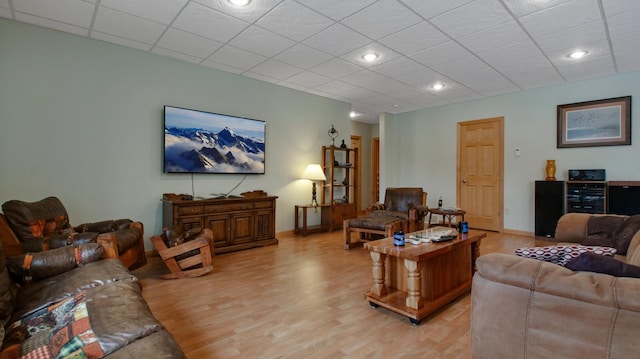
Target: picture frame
604, 122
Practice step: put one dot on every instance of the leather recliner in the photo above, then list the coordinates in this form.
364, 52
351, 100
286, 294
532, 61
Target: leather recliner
42, 225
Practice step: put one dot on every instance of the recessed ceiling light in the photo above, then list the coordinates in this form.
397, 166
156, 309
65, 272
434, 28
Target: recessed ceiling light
353, 114
577, 54
437, 86
371, 56
240, 2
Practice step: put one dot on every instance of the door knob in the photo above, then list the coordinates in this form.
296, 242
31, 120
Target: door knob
464, 181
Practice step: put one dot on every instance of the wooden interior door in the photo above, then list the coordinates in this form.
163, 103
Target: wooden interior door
480, 184
375, 170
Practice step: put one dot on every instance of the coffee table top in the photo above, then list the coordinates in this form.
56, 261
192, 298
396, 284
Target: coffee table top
417, 252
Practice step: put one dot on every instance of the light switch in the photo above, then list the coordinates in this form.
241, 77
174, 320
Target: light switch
517, 152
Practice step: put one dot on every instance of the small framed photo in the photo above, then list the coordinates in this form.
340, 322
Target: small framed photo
595, 123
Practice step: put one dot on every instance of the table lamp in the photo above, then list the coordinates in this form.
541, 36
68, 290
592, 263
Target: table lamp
314, 173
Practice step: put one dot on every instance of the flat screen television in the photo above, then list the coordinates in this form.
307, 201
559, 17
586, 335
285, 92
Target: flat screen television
205, 142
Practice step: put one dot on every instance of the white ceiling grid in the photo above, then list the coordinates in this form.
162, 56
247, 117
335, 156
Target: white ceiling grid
476, 48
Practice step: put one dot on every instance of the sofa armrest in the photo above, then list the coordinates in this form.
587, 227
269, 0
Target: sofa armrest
30, 267
572, 227
104, 226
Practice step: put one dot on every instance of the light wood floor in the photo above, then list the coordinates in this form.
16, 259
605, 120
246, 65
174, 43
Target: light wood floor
302, 298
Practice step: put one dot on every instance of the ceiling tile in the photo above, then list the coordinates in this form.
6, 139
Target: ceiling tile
586, 69
294, 21
381, 19
160, 11
431, 8
308, 79
384, 54
625, 49
515, 58
36, 20
72, 12
4, 4
421, 78
415, 38
303, 56
398, 66
530, 78
555, 19
326, 40
176, 55
440, 54
494, 37
457, 93
261, 41
120, 41
486, 81
187, 43
127, 26
364, 78
460, 66
337, 10
276, 69
250, 13
572, 38
260, 77
472, 17
521, 8
617, 7
203, 21
623, 24
5, 12
223, 67
237, 58
336, 68
337, 87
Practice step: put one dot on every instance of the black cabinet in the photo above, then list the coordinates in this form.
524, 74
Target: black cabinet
549, 206
624, 197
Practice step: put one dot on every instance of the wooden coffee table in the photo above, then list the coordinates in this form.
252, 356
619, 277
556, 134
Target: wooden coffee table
416, 280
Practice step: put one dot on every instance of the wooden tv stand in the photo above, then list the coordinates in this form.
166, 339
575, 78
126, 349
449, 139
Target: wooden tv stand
237, 223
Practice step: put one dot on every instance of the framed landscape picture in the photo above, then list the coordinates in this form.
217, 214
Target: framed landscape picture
595, 123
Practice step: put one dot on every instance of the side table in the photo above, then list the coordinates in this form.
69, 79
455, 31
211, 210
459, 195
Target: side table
305, 229
447, 214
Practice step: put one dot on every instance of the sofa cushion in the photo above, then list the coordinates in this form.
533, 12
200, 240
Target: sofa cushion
32, 222
591, 262
45, 292
601, 229
625, 233
561, 254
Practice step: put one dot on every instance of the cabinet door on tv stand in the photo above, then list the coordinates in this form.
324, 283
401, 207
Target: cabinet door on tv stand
242, 228
220, 226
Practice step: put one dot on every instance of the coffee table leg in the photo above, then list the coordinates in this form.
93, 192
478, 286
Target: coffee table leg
378, 288
414, 284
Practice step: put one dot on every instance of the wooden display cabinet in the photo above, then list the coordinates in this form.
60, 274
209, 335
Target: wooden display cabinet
237, 223
339, 190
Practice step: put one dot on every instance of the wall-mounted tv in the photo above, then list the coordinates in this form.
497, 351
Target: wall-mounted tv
205, 142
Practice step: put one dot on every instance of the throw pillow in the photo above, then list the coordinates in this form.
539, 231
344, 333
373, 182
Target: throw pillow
601, 229
625, 233
561, 255
591, 262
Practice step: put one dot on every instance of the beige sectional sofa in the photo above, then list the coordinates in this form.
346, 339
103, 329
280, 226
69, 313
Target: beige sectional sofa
527, 308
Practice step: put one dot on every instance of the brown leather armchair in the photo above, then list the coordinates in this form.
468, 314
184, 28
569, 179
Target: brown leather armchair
403, 209
406, 203
43, 225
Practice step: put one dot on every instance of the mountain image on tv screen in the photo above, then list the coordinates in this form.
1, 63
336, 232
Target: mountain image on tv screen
204, 142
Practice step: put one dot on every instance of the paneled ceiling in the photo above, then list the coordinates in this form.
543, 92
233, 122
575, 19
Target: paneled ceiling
475, 48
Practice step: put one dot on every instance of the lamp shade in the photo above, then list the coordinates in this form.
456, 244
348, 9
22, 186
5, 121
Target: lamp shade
314, 172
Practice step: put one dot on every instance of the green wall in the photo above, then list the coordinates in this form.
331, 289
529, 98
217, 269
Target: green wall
420, 147
81, 119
